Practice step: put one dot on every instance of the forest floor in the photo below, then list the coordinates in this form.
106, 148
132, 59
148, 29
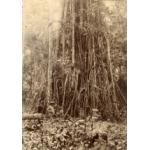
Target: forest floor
59, 134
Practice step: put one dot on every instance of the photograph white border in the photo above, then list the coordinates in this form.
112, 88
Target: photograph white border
138, 75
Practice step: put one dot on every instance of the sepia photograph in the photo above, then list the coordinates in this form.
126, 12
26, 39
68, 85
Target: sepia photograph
74, 75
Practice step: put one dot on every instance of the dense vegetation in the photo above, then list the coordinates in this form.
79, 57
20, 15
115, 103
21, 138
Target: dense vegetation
82, 65
75, 76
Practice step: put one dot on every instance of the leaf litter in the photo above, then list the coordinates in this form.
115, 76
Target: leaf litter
60, 134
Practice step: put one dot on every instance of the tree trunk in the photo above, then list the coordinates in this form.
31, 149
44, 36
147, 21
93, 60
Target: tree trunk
112, 79
32, 116
49, 71
63, 35
81, 15
73, 31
